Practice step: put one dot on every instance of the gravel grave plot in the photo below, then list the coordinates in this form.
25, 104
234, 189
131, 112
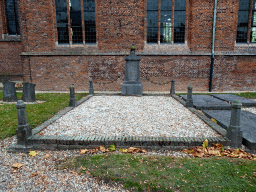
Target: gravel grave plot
251, 109
157, 116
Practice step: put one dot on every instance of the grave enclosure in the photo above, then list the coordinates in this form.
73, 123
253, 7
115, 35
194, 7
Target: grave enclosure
233, 133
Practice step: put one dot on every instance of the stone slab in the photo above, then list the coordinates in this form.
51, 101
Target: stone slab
208, 102
248, 124
231, 98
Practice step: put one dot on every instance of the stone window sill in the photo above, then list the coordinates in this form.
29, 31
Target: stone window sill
6, 37
245, 44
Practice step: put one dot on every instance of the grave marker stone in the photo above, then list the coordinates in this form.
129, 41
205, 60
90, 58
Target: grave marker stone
132, 84
9, 91
28, 94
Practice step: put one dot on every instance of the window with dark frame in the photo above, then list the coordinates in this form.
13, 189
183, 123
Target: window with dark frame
75, 21
12, 17
166, 21
246, 25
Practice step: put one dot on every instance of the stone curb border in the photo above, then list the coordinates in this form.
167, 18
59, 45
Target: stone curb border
52, 142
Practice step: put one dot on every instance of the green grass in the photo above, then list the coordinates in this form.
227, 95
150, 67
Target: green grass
162, 173
36, 113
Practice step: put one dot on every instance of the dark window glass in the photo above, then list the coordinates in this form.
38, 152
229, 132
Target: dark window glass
89, 21
76, 21
12, 17
179, 21
253, 27
167, 28
152, 27
62, 21
152, 21
242, 24
152, 5
166, 21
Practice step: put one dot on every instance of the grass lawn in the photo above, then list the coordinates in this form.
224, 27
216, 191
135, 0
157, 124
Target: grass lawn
163, 173
36, 113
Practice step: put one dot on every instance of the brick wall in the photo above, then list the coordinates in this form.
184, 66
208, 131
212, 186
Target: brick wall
10, 60
119, 25
37, 25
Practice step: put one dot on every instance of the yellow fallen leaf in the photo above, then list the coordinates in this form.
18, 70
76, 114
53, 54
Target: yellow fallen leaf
83, 151
17, 165
123, 150
33, 153
205, 144
214, 120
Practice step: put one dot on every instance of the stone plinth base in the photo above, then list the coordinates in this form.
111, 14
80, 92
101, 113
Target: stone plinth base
131, 89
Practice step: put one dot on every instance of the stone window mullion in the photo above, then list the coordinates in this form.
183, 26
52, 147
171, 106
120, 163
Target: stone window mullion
159, 21
249, 22
69, 24
173, 6
82, 16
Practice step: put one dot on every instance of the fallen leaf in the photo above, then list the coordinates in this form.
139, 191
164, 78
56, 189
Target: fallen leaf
83, 151
112, 147
17, 165
214, 120
103, 149
205, 144
33, 174
46, 156
123, 150
33, 153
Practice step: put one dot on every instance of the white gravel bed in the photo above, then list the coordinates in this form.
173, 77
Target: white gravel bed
157, 116
251, 109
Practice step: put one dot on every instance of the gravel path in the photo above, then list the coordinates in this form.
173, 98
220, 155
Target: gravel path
157, 116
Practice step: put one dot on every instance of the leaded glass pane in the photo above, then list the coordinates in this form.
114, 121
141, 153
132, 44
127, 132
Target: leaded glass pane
89, 21
152, 26
180, 5
244, 5
62, 21
179, 26
166, 5
76, 21
242, 26
152, 34
166, 24
152, 5
89, 5
12, 17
